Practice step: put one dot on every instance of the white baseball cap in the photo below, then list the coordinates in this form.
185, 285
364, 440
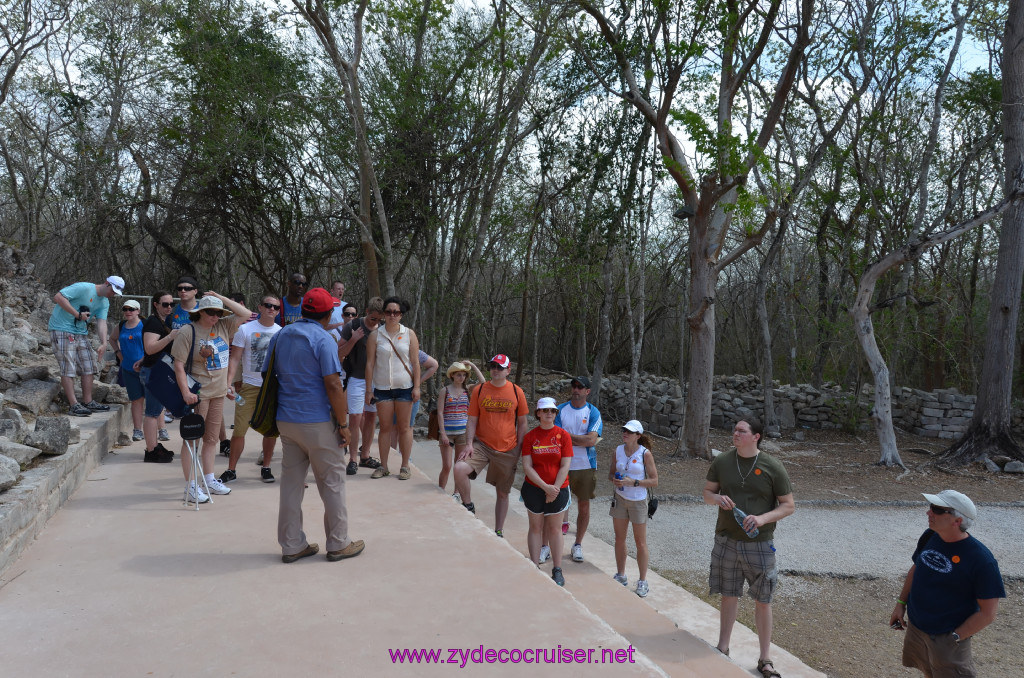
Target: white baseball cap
634, 426
117, 282
957, 501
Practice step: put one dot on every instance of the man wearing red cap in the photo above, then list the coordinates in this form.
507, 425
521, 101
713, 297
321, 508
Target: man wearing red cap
308, 371
497, 424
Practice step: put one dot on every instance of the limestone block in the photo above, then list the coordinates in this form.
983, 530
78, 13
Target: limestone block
9, 375
932, 427
25, 343
947, 398
22, 454
75, 435
785, 414
9, 471
932, 412
33, 395
947, 435
11, 430
1014, 467
52, 435
992, 466
6, 344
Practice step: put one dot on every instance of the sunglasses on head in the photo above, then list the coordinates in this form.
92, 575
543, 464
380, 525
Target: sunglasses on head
272, 307
185, 288
939, 510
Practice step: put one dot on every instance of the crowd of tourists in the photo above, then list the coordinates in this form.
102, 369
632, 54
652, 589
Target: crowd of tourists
338, 373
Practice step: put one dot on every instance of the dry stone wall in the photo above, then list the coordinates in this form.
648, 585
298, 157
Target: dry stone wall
944, 413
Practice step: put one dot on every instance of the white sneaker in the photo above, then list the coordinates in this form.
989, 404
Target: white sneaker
621, 578
577, 553
545, 554
137, 435
162, 434
642, 588
168, 419
457, 497
197, 495
217, 487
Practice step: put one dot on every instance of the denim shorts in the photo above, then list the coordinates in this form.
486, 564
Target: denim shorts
132, 383
385, 394
153, 406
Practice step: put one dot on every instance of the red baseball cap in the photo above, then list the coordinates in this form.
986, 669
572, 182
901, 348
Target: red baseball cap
318, 300
501, 360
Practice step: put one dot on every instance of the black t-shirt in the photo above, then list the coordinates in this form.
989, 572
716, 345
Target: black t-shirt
355, 361
154, 325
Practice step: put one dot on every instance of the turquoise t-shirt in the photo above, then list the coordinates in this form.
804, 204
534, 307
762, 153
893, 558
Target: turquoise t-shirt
79, 294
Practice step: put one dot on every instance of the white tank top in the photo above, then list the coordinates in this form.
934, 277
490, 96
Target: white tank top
633, 468
389, 368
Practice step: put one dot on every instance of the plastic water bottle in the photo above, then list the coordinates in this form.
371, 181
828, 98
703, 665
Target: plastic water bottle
740, 516
239, 400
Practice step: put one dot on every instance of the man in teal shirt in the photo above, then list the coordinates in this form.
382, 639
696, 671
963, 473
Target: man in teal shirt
75, 306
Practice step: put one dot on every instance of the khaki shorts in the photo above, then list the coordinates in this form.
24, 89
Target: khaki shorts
937, 656
457, 439
243, 413
501, 466
627, 509
583, 483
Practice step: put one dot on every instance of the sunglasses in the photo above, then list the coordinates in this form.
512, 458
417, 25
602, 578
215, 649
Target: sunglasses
211, 311
185, 288
299, 283
392, 313
549, 411
165, 304
128, 309
349, 315
939, 510
272, 307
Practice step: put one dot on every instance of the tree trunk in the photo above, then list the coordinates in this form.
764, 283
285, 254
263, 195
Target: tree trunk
990, 432
702, 351
604, 326
768, 419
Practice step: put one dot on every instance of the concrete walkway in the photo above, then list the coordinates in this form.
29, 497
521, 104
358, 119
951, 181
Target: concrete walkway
125, 581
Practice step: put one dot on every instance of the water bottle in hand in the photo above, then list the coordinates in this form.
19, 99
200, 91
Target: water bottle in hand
740, 517
239, 400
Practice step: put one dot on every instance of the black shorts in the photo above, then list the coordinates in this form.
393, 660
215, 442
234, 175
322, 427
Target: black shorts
534, 498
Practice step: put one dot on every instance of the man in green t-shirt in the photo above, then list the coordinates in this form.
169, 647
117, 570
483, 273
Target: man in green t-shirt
75, 306
747, 479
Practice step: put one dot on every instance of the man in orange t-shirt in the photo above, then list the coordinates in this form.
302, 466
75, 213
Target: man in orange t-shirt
497, 424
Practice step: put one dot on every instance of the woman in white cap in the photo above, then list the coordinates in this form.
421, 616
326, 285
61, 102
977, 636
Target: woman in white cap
547, 454
214, 320
128, 351
633, 473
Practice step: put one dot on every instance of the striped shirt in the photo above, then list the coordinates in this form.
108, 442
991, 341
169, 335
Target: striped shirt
456, 413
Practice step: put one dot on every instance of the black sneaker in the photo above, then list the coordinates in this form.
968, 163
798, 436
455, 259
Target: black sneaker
556, 574
228, 476
369, 462
470, 507
352, 468
225, 448
155, 456
79, 410
163, 450
96, 407
267, 476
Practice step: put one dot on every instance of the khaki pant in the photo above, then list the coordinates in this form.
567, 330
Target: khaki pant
304, 446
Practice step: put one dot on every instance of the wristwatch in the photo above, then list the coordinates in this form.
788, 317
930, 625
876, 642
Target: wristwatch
636, 483
956, 637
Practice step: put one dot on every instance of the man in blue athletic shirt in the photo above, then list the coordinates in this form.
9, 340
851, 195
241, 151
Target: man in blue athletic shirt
951, 592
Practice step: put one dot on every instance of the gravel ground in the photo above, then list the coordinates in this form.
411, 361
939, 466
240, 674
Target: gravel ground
850, 541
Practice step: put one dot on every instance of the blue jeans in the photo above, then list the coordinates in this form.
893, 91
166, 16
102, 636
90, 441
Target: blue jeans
153, 406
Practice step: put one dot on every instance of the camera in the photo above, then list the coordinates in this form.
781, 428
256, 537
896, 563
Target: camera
83, 310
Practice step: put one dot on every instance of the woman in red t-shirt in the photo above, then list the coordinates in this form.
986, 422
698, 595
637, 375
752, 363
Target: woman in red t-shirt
547, 453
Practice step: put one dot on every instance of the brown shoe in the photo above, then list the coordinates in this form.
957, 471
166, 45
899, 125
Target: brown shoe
404, 473
353, 549
310, 550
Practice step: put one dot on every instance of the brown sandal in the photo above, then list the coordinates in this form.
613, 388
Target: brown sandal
767, 669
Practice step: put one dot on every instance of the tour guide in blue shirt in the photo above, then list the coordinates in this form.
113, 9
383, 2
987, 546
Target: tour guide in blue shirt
308, 371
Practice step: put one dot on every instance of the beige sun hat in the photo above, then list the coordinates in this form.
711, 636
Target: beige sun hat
208, 301
457, 367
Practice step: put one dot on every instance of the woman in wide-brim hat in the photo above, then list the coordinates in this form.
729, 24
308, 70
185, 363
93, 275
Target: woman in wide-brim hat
208, 339
453, 415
